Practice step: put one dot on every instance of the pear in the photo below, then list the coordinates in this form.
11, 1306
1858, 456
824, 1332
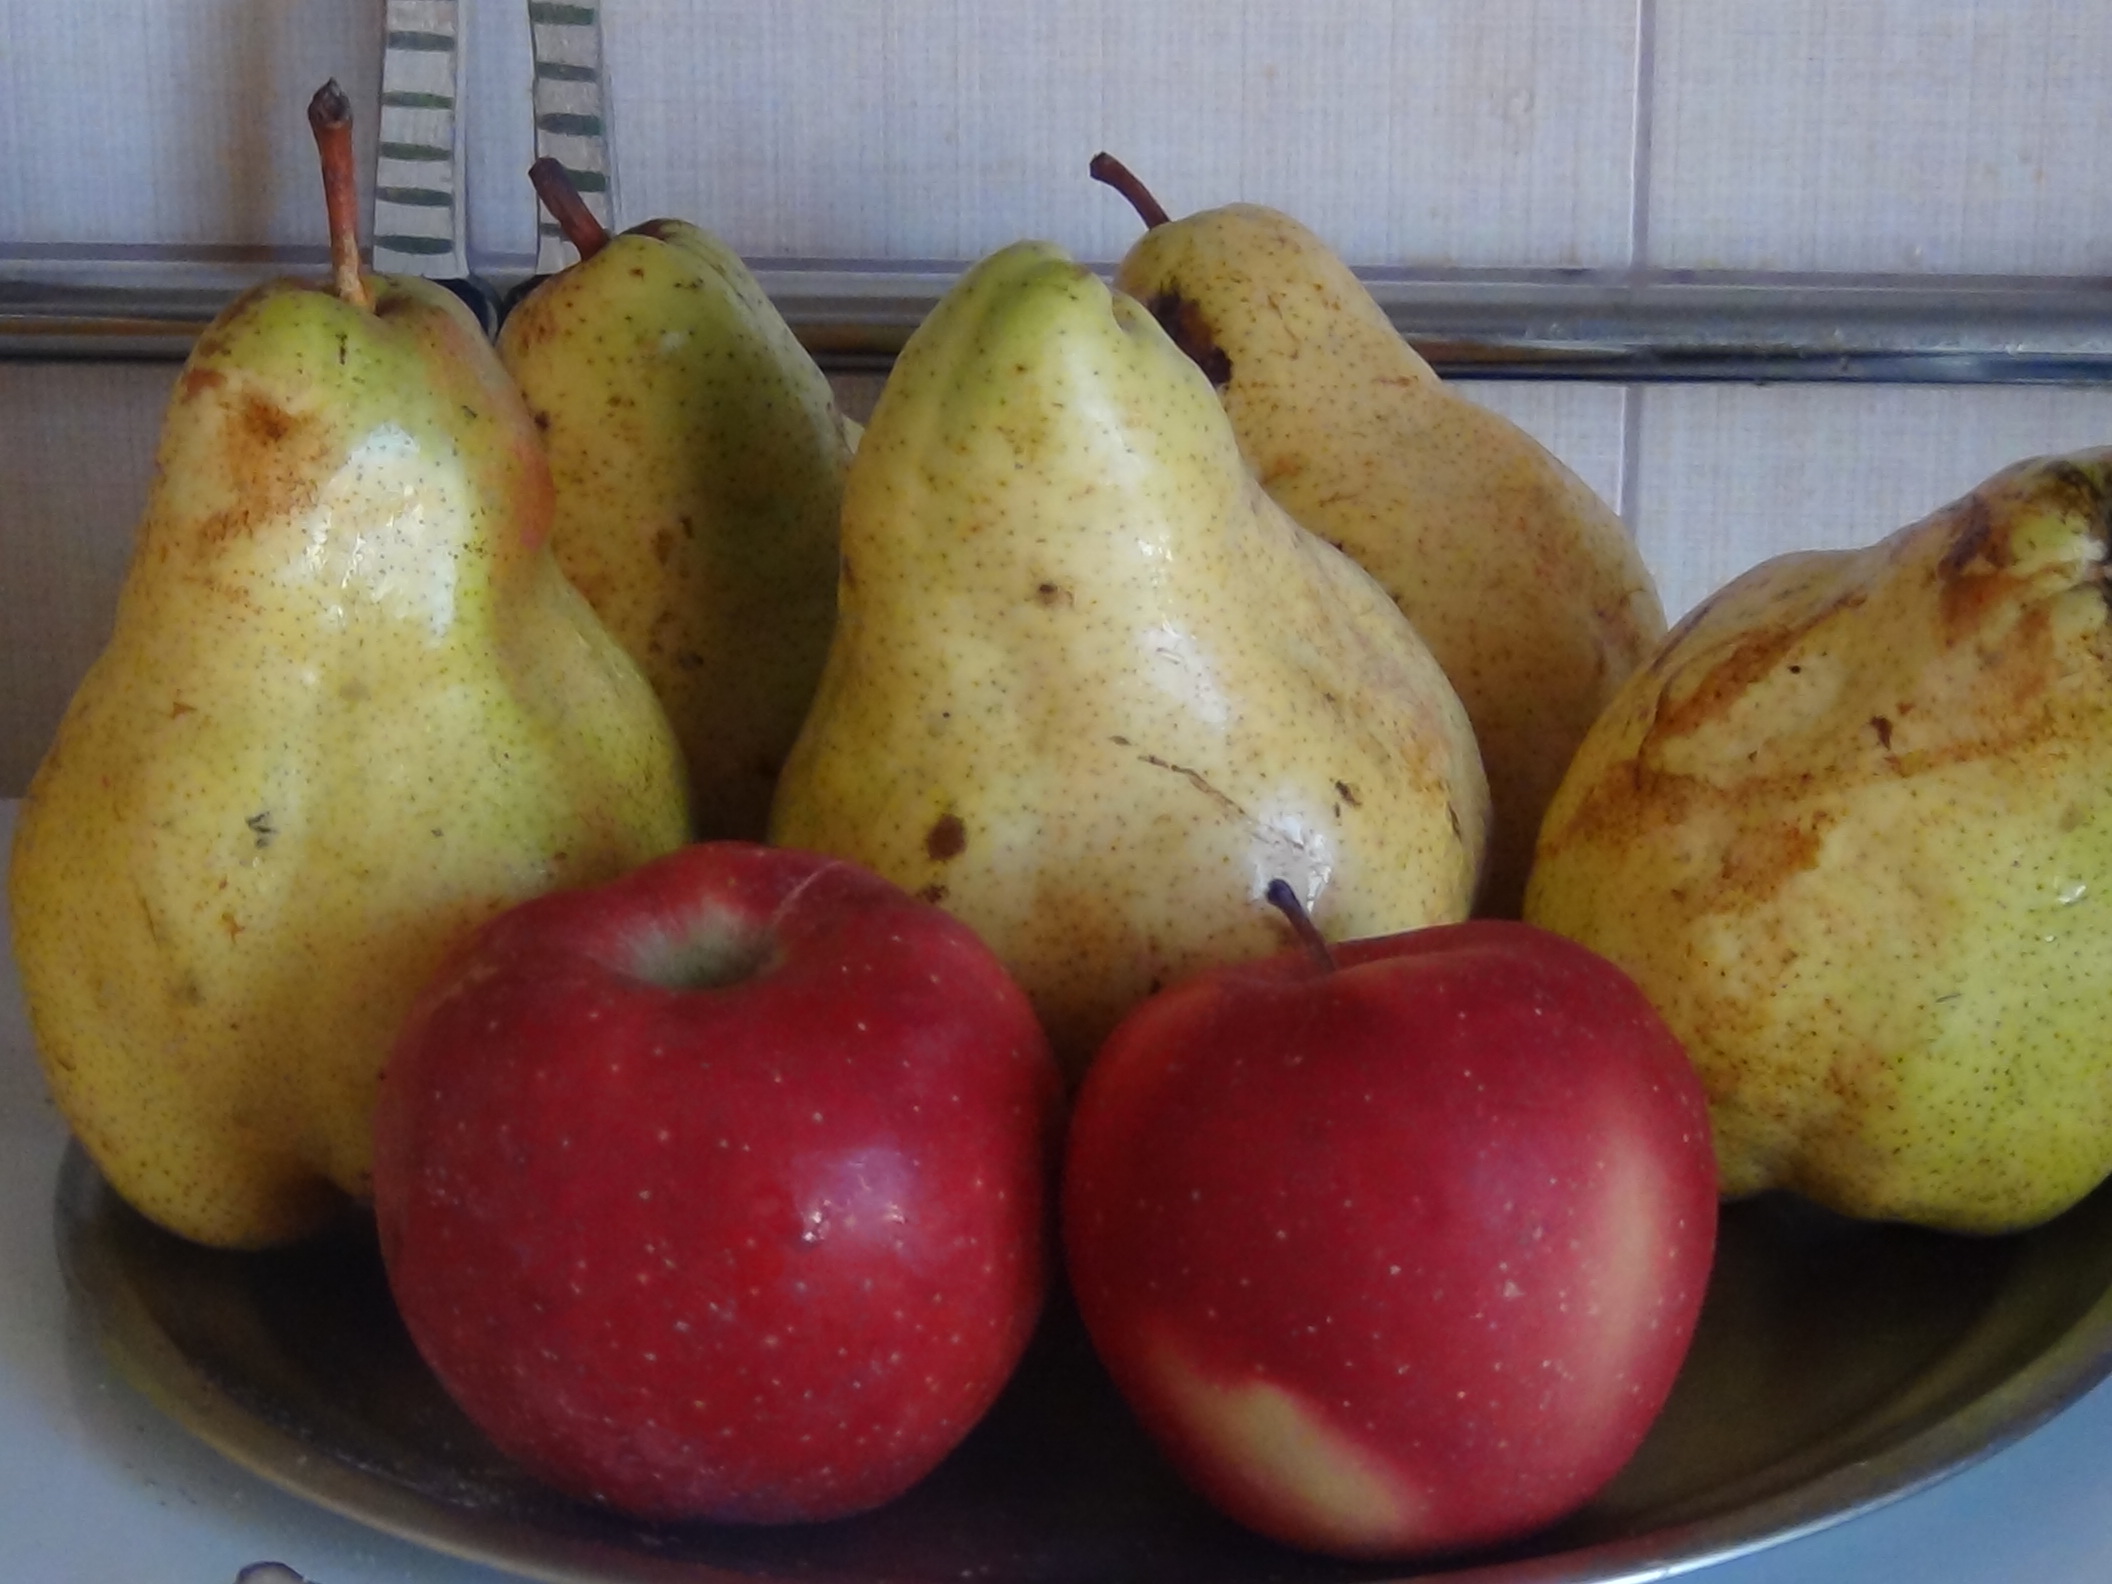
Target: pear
1848, 830
698, 457
1091, 690
1526, 586
349, 710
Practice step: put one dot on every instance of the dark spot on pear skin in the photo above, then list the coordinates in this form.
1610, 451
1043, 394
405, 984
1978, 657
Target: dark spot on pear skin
947, 838
202, 379
1758, 863
1184, 322
1975, 527
1348, 793
1053, 594
934, 894
265, 421
1883, 728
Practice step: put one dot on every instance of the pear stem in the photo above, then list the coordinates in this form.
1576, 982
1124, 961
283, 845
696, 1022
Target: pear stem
1285, 901
1106, 168
330, 119
553, 184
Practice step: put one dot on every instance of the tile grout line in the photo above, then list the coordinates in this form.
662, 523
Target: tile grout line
1629, 500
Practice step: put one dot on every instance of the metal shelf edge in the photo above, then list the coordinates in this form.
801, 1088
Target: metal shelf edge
1639, 326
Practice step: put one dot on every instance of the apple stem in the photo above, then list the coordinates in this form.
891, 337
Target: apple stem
1106, 168
553, 184
1285, 901
330, 119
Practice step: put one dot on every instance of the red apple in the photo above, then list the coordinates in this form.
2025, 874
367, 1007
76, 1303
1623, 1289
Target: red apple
721, 1191
1399, 1254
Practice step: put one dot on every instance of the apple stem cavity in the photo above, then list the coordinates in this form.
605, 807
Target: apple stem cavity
708, 953
330, 119
1284, 900
1106, 168
553, 184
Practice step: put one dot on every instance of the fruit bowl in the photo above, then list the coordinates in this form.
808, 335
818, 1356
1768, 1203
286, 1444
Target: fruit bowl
1838, 1366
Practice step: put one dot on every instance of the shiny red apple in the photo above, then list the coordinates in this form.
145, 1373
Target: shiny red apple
721, 1191
1396, 1248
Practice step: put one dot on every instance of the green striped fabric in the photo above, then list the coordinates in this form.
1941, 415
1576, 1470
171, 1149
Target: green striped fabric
418, 209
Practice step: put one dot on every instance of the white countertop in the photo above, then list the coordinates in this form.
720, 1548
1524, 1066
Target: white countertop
96, 1485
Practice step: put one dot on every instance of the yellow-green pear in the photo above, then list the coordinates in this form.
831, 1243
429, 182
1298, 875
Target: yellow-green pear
349, 710
1527, 587
1091, 690
698, 457
1849, 831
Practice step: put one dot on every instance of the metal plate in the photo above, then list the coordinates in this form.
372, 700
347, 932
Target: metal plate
1838, 1366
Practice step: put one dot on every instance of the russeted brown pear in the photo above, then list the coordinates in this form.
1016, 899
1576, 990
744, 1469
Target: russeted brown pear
1849, 831
350, 709
1092, 690
1527, 587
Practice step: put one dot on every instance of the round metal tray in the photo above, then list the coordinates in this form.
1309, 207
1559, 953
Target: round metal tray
1838, 1366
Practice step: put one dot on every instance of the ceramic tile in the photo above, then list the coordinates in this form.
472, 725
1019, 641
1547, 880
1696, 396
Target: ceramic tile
1460, 133
1730, 475
1497, 132
73, 480
181, 122
1939, 135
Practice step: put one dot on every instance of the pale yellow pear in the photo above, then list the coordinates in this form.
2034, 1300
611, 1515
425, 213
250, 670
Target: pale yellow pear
698, 457
350, 709
1849, 831
1527, 587
1091, 690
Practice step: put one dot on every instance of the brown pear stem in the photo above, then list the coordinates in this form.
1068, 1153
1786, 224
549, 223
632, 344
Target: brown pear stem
553, 184
1285, 901
1106, 168
330, 118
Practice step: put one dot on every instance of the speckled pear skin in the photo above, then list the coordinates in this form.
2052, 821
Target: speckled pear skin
698, 458
1526, 586
1091, 690
349, 710
1849, 830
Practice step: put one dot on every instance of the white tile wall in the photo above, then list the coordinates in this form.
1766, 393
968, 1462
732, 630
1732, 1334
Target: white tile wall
1491, 133
1939, 135
1730, 474
1499, 132
1961, 136
77, 452
180, 123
